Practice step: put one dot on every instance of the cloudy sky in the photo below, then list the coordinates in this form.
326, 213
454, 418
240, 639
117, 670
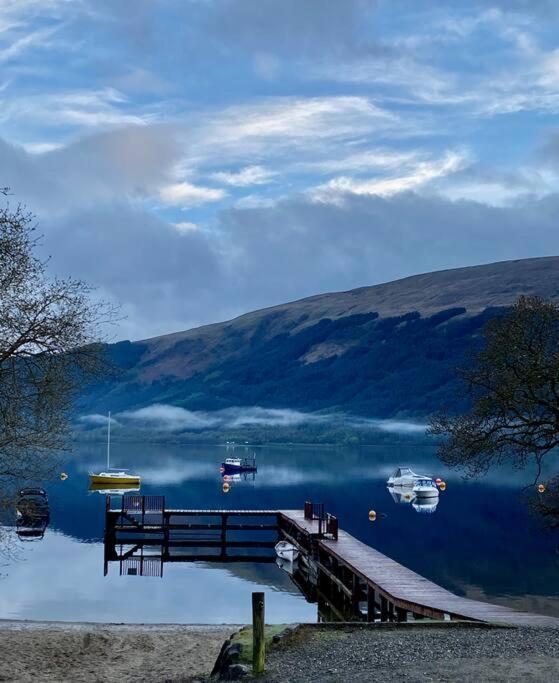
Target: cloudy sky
196, 159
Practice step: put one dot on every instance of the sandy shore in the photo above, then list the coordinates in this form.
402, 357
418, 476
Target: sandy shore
64, 652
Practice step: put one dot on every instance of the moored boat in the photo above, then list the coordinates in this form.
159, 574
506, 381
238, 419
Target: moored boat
233, 465
287, 551
425, 487
113, 478
402, 476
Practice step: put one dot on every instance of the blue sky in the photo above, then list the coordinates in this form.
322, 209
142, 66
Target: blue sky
196, 159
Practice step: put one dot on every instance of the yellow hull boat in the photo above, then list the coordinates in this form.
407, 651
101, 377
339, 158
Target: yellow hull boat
117, 480
107, 488
113, 479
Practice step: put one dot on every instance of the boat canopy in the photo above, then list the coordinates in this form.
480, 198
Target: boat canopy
402, 472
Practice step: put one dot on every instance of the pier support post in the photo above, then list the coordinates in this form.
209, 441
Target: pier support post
370, 603
401, 614
383, 608
258, 640
391, 612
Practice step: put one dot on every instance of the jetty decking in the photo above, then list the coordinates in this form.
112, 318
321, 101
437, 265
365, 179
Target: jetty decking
354, 580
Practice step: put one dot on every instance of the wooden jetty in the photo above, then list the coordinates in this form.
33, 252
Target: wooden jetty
352, 580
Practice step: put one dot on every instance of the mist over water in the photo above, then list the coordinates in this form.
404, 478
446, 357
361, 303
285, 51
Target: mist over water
174, 418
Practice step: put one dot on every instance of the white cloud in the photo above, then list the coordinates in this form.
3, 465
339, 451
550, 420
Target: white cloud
288, 118
250, 175
186, 227
16, 47
424, 172
359, 161
81, 108
186, 194
41, 147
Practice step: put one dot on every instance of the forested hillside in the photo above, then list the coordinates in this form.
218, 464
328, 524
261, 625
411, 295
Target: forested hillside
385, 351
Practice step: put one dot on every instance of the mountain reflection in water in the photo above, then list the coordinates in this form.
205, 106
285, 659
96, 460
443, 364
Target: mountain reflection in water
481, 541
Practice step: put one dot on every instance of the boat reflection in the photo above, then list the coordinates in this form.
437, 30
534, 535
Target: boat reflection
32, 514
403, 496
120, 491
425, 506
228, 480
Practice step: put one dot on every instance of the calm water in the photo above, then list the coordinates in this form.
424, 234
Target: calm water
480, 542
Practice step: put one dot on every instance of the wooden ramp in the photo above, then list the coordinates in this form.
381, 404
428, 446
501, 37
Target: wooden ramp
405, 590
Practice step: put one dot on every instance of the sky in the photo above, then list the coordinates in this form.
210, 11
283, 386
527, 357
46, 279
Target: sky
197, 159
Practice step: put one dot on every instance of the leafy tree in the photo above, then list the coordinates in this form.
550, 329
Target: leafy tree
50, 331
513, 384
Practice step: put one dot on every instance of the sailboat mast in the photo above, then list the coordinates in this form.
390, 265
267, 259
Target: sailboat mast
109, 441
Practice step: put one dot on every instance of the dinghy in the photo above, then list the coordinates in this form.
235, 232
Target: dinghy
287, 551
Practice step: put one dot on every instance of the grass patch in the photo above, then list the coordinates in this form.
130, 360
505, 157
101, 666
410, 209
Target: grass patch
244, 637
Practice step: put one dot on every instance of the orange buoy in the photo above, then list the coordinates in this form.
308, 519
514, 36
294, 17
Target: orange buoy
442, 485
541, 488
372, 515
63, 476
226, 487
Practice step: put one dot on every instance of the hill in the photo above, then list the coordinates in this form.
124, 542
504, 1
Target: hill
385, 351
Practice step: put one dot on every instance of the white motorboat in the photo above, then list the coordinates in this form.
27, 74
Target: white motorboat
425, 487
403, 476
287, 551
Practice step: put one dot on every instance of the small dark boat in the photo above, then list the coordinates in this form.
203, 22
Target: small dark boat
233, 465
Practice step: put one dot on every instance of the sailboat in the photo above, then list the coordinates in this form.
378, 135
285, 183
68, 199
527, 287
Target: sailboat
113, 478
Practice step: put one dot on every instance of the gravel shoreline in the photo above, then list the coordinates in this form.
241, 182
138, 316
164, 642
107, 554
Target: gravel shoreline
76, 652
419, 654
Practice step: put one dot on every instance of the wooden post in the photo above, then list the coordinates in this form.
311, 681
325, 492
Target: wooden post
401, 614
370, 603
355, 595
383, 608
391, 616
258, 641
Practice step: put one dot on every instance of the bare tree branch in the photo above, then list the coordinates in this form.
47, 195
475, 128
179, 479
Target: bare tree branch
50, 345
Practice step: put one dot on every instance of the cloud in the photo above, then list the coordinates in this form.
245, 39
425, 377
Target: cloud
106, 167
250, 175
181, 176
79, 109
186, 227
97, 420
422, 173
186, 194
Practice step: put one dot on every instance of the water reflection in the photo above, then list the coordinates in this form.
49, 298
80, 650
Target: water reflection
32, 514
487, 543
403, 496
